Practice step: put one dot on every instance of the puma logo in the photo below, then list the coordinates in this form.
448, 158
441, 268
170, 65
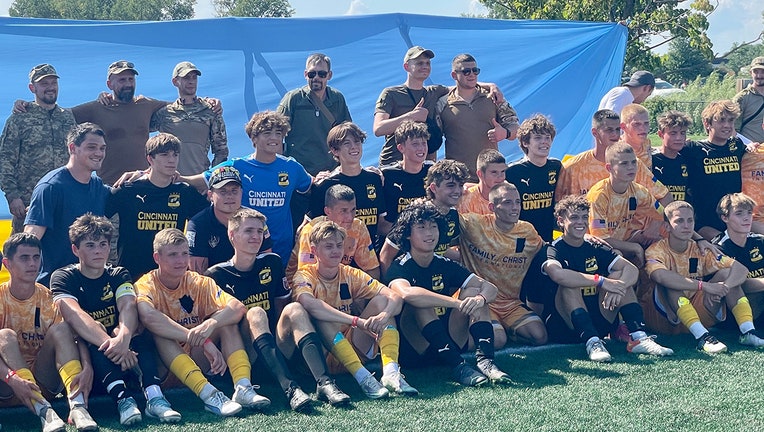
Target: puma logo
142, 198
248, 177
399, 186
229, 288
445, 348
526, 181
659, 169
486, 340
707, 150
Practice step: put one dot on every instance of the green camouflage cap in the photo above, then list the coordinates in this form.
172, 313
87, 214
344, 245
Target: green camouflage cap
41, 71
415, 52
184, 68
757, 63
120, 66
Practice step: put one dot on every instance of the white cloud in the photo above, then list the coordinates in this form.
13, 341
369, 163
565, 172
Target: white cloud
477, 8
357, 7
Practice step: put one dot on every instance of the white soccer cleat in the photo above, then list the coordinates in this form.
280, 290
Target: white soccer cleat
596, 350
647, 345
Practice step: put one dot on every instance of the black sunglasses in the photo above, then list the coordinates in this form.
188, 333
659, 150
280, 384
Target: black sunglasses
321, 74
468, 71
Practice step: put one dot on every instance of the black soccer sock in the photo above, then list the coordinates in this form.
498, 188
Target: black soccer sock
583, 325
313, 353
436, 335
265, 346
109, 374
482, 333
143, 344
633, 317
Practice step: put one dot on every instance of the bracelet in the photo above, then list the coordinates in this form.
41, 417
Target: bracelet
354, 324
206, 341
485, 300
10, 374
599, 280
700, 285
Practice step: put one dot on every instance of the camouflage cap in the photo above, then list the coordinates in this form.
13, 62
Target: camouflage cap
41, 71
184, 68
120, 66
415, 52
757, 63
223, 175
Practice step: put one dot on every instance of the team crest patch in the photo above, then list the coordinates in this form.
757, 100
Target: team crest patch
265, 276
213, 241
283, 179
173, 201
591, 265
552, 177
437, 282
371, 191
684, 170
733, 145
755, 255
451, 228
107, 293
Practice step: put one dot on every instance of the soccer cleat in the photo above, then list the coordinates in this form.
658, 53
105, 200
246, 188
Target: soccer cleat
218, 403
621, 333
298, 400
51, 422
710, 344
373, 389
246, 396
752, 338
596, 350
395, 383
488, 368
81, 419
329, 392
468, 376
159, 408
647, 345
129, 413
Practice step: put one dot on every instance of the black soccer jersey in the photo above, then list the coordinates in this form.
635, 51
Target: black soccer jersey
401, 188
714, 172
144, 210
97, 297
259, 287
536, 186
369, 197
590, 258
442, 276
750, 255
672, 173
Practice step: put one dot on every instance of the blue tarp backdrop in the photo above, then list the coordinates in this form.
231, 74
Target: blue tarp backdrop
557, 68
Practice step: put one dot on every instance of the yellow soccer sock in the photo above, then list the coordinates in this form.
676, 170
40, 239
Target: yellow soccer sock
27, 375
743, 315
67, 372
238, 364
189, 373
389, 345
689, 317
346, 354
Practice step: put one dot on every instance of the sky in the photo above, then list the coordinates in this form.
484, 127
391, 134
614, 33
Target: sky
733, 21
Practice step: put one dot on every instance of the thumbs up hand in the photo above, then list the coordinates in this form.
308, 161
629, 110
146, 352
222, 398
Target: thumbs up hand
419, 113
496, 134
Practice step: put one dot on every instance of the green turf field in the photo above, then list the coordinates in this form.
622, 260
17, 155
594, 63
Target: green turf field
556, 389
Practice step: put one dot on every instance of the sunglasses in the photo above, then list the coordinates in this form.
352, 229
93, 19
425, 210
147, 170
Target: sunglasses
321, 74
122, 63
469, 71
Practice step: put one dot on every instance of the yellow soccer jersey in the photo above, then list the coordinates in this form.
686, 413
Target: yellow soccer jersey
196, 298
30, 318
339, 293
752, 171
581, 172
472, 202
500, 257
690, 263
359, 252
617, 216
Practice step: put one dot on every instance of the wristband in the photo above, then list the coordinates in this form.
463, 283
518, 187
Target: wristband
600, 281
10, 374
700, 285
485, 300
206, 341
354, 324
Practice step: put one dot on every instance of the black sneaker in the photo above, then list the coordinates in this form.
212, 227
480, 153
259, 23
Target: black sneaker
329, 392
710, 344
466, 375
298, 400
488, 368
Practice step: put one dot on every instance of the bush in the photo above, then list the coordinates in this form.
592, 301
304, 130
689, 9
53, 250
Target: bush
698, 94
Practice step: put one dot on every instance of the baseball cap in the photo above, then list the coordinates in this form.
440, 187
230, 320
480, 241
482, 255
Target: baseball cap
223, 175
184, 68
757, 63
120, 66
416, 51
640, 78
41, 71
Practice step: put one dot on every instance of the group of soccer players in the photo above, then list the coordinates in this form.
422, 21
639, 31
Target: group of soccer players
442, 268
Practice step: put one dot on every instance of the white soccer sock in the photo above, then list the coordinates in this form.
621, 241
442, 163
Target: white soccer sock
746, 327
697, 329
153, 391
391, 367
207, 391
244, 382
361, 374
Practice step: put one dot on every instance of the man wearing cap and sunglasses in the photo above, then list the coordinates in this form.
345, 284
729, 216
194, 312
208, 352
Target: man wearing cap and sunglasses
413, 101
193, 121
636, 90
33, 142
751, 103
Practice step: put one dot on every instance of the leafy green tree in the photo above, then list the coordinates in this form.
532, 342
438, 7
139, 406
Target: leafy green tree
121, 10
684, 63
253, 8
648, 21
741, 56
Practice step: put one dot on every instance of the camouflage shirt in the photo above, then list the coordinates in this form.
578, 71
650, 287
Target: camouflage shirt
33, 143
199, 130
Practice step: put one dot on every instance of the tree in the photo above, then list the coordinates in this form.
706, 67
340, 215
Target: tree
119, 10
684, 63
253, 8
648, 21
